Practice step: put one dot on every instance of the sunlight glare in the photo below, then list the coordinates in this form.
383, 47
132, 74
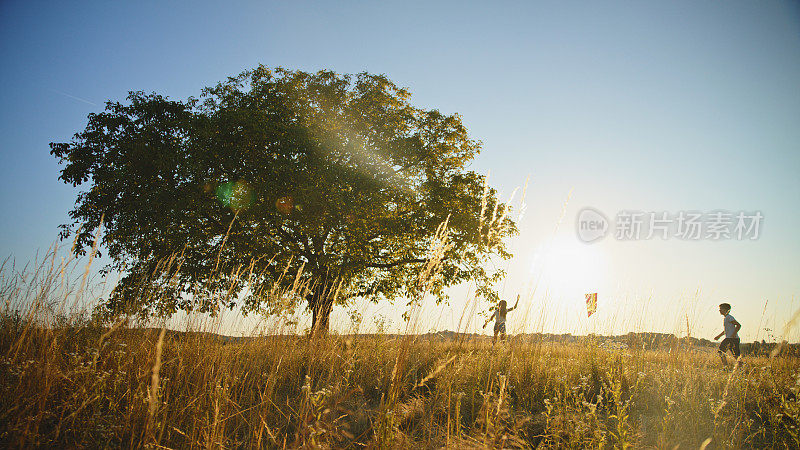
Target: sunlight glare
568, 268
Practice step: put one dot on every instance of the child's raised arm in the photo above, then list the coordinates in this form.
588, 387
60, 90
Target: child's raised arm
515, 304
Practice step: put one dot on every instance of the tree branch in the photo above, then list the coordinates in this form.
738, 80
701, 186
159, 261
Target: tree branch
396, 263
292, 240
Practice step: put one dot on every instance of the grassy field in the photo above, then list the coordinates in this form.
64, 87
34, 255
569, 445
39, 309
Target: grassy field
77, 385
71, 381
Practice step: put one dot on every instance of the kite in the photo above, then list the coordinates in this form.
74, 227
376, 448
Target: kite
591, 303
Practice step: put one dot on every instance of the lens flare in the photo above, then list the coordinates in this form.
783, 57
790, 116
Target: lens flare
235, 195
285, 204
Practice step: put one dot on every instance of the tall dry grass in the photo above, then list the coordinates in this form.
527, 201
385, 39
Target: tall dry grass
69, 387
71, 380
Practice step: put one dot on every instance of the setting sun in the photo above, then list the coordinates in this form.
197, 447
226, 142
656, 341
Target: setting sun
567, 268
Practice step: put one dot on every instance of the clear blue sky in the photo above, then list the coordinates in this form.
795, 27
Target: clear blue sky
662, 106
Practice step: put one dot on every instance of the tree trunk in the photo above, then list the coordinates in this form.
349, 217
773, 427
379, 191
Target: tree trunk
321, 314
321, 305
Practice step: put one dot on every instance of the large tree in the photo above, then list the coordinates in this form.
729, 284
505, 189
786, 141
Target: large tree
281, 186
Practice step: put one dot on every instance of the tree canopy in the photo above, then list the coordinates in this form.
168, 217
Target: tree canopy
278, 186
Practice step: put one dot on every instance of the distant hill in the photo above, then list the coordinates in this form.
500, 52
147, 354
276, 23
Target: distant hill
630, 341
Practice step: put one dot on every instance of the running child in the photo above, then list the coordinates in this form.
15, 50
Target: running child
731, 331
500, 322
